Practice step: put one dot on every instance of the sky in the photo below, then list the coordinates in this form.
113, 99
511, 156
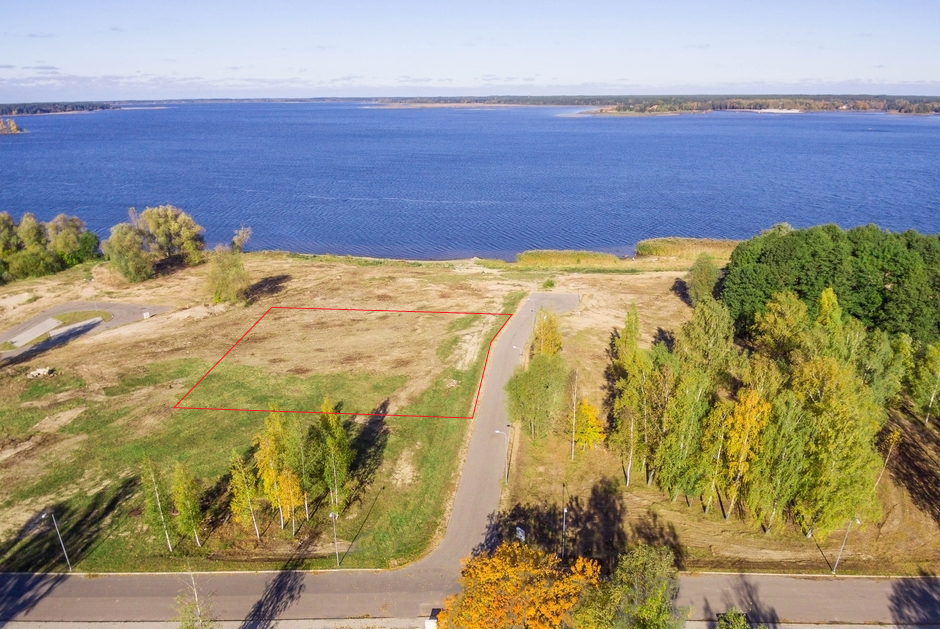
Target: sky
131, 50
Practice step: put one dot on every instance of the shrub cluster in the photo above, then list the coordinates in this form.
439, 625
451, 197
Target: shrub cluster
32, 249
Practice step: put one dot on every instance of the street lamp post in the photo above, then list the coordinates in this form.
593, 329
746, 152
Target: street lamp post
844, 540
506, 464
564, 530
61, 543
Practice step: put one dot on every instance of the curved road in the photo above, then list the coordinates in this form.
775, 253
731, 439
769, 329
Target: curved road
120, 314
407, 593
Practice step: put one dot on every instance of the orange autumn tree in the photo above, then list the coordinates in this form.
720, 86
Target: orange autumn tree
517, 586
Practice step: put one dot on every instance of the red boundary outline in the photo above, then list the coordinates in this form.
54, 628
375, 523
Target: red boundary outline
258, 410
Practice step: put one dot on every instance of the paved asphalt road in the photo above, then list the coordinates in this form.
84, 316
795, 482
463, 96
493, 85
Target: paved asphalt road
410, 592
122, 313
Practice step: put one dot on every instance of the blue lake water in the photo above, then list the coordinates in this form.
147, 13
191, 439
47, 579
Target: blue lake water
443, 183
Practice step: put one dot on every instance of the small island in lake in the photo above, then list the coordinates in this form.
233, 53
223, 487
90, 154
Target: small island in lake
9, 127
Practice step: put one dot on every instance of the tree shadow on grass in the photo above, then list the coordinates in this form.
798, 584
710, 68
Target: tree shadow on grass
593, 528
368, 448
267, 287
651, 530
916, 601
681, 290
34, 552
280, 592
916, 466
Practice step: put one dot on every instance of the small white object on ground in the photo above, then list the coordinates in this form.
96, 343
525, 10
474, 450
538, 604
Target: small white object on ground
146, 315
41, 372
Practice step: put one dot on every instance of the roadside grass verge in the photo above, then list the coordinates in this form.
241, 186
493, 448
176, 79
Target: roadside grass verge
68, 318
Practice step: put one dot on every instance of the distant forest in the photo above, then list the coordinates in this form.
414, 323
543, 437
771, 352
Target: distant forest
669, 104
27, 109
612, 104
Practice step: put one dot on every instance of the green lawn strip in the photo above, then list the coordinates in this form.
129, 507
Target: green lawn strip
41, 387
241, 387
68, 318
6, 346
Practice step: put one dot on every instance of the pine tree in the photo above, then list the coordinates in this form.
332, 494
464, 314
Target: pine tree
186, 502
155, 495
243, 494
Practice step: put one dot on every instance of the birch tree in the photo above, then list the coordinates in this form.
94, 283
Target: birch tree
269, 460
748, 418
186, 502
630, 367
546, 335
927, 382
155, 496
243, 491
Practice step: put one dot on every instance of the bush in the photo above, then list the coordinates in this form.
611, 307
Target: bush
125, 250
34, 261
69, 238
173, 232
9, 241
702, 278
228, 280
30, 232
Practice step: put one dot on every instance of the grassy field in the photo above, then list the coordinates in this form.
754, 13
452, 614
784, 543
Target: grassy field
74, 442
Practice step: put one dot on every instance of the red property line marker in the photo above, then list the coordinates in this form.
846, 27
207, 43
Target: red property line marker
259, 410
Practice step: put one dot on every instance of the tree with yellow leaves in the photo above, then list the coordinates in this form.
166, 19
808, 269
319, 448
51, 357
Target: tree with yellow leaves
588, 428
269, 459
517, 586
742, 440
290, 495
546, 335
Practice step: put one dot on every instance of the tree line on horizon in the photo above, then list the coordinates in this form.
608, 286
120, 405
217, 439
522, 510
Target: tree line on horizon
662, 104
